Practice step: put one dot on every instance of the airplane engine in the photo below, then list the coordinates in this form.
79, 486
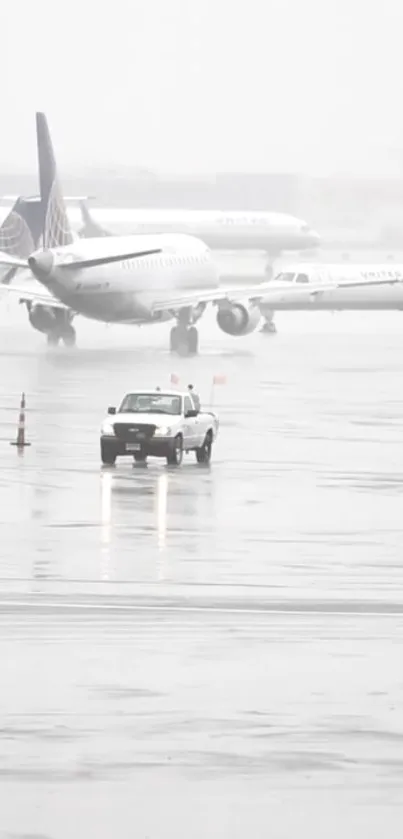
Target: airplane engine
238, 319
42, 318
161, 317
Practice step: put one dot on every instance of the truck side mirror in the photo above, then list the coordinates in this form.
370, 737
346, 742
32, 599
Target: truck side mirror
191, 413
111, 409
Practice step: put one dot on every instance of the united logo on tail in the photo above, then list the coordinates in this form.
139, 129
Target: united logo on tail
21, 231
22, 228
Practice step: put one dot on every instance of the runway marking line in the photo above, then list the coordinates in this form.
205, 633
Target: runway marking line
231, 610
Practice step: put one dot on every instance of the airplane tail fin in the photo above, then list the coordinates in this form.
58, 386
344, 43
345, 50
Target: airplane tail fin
56, 226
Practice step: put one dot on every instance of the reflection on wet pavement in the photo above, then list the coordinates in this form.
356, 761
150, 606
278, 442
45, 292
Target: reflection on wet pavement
224, 641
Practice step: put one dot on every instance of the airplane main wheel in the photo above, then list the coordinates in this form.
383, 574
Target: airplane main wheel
182, 342
69, 337
193, 341
174, 339
52, 339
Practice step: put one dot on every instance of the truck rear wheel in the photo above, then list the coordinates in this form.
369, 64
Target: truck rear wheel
203, 454
175, 456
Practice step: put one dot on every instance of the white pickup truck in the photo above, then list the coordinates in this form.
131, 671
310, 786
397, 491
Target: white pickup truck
159, 424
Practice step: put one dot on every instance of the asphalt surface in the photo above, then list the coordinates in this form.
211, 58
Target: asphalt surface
204, 652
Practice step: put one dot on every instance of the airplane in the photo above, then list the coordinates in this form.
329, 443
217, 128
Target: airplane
337, 287
271, 232
232, 230
131, 280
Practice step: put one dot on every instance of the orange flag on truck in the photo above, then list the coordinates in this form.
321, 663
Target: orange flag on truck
219, 380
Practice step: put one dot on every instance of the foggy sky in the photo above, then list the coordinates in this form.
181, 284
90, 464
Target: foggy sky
206, 85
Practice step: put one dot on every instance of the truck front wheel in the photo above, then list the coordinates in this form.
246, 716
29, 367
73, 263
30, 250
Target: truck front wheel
108, 455
175, 456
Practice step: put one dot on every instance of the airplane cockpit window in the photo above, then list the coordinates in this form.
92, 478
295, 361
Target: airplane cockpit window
302, 278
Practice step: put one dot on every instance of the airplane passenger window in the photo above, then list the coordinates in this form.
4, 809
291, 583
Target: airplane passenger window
286, 278
302, 278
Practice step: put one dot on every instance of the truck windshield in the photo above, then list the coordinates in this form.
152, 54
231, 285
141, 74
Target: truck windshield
150, 403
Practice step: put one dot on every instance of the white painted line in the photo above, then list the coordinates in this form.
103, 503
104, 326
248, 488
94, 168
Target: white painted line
230, 610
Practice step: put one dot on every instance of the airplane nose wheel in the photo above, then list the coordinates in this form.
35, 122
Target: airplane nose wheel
269, 327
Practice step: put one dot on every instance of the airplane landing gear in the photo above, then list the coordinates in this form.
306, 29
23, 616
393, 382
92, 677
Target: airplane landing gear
67, 335
184, 337
184, 340
56, 324
269, 327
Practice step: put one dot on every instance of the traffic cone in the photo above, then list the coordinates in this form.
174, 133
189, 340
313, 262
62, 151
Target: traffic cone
20, 442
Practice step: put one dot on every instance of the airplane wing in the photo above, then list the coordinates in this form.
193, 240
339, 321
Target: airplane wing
32, 296
255, 294
71, 262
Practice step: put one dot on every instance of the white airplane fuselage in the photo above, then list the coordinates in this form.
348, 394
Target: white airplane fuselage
220, 230
124, 291
378, 297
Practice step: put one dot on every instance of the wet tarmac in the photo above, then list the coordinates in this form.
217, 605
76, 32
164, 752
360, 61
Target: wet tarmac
205, 652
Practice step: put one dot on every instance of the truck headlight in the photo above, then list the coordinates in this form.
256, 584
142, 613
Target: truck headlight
162, 431
107, 429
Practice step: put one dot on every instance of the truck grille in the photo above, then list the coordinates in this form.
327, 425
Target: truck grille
130, 432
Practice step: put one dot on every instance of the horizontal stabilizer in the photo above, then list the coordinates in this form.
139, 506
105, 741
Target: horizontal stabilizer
76, 199
69, 199
106, 260
12, 261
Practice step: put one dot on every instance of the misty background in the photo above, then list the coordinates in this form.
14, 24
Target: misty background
278, 105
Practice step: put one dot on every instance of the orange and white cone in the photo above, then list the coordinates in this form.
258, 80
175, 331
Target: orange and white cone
20, 442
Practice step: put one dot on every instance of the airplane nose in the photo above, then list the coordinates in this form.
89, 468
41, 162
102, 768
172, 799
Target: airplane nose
41, 262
